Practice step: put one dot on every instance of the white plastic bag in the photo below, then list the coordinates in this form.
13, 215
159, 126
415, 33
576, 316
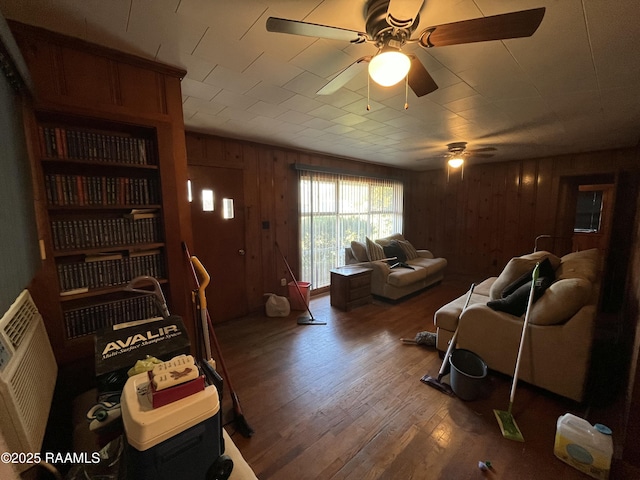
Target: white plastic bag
277, 306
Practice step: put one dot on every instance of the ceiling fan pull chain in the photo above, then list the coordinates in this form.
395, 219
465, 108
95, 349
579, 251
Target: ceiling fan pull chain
406, 92
368, 95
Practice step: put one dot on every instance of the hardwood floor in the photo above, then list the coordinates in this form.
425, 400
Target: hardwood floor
345, 401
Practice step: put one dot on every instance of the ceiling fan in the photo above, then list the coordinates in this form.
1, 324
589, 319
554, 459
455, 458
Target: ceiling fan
457, 152
390, 24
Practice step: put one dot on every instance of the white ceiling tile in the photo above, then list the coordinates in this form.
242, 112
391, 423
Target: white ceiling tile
300, 103
349, 119
270, 93
268, 110
294, 117
212, 108
232, 99
272, 70
339, 129
235, 55
319, 123
327, 112
230, 80
306, 83
199, 89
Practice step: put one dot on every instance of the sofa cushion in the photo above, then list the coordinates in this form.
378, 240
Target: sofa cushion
561, 301
359, 251
393, 249
374, 250
401, 277
518, 266
583, 264
430, 265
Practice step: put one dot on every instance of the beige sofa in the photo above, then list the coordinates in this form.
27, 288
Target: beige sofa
395, 283
557, 350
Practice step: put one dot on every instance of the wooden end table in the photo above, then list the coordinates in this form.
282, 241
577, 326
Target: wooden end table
350, 287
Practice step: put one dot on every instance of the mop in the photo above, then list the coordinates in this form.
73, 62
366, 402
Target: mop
302, 320
437, 382
238, 417
505, 419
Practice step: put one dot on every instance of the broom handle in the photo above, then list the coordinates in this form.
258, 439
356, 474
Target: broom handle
452, 342
304, 300
202, 299
534, 279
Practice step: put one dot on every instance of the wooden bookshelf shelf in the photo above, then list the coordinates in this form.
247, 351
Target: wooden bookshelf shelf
106, 136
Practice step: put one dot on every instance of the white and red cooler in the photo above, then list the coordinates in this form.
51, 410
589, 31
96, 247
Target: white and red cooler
180, 440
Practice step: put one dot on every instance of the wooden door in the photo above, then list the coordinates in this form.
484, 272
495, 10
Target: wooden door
219, 237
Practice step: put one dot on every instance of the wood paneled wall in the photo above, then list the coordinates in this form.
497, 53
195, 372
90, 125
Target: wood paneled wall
271, 195
477, 222
496, 211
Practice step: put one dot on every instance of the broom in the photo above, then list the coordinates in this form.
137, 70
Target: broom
437, 383
238, 417
505, 419
302, 320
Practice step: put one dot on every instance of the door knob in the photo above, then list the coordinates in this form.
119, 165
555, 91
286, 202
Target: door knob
241, 252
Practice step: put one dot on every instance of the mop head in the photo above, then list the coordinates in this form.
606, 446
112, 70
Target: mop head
508, 425
427, 339
305, 320
437, 384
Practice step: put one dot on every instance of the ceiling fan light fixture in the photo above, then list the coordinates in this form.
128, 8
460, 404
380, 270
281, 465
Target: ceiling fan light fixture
455, 162
389, 67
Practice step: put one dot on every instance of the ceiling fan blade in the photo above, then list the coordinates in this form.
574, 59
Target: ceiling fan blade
294, 27
419, 79
344, 76
497, 27
403, 13
483, 149
480, 155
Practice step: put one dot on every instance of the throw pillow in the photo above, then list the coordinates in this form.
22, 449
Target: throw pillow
374, 251
518, 266
546, 270
393, 249
561, 301
516, 303
409, 249
359, 251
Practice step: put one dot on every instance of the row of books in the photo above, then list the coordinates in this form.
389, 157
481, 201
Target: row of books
84, 190
108, 270
104, 232
87, 320
64, 143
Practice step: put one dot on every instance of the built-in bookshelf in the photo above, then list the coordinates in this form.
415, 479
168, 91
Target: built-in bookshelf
101, 185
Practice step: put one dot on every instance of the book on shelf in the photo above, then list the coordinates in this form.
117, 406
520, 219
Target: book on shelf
75, 144
141, 213
101, 257
74, 291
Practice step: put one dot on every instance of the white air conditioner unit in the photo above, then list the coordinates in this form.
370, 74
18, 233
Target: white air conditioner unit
28, 372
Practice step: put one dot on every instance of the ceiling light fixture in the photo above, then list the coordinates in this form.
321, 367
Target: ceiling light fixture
455, 162
389, 66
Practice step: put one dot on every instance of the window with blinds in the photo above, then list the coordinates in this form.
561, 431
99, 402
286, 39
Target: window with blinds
336, 209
